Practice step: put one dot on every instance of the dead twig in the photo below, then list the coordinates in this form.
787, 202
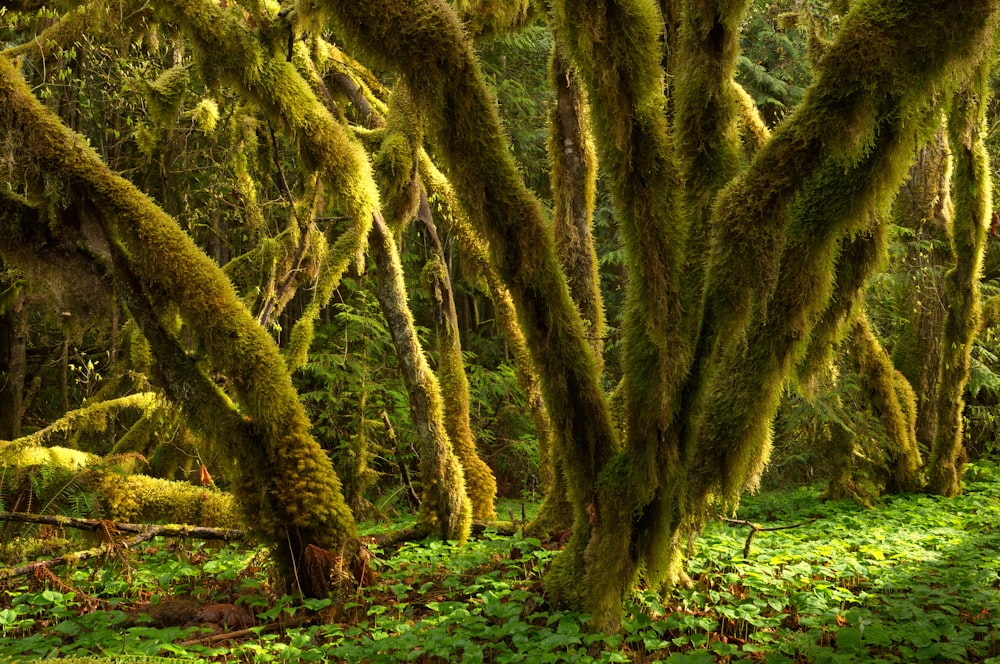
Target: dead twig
757, 528
249, 632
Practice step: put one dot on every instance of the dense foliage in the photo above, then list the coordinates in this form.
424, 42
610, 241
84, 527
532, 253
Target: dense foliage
353, 262
913, 579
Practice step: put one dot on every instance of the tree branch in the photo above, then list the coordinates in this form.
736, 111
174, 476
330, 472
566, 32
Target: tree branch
757, 528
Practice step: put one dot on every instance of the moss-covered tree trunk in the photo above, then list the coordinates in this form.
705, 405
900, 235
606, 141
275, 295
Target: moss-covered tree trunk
700, 393
573, 177
443, 398
480, 483
924, 206
893, 400
574, 182
830, 169
286, 488
445, 206
426, 44
973, 195
444, 505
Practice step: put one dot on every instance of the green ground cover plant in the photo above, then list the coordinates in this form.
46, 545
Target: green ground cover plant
913, 579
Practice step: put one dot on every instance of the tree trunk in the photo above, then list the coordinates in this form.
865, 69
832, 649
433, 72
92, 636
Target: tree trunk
973, 193
480, 483
444, 504
13, 359
893, 400
924, 206
286, 485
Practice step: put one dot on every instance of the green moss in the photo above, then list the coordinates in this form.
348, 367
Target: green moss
165, 94
23, 454
93, 418
894, 401
491, 18
277, 458
480, 483
573, 178
924, 206
425, 43
141, 499
555, 515
972, 191
445, 508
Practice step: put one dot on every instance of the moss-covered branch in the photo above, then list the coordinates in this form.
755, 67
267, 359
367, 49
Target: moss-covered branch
830, 170
91, 418
228, 52
165, 530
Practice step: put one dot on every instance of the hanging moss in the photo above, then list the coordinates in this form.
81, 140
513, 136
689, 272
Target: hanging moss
396, 162
972, 189
491, 18
227, 52
859, 256
165, 94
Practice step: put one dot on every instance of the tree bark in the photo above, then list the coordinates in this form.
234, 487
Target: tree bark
480, 482
444, 504
924, 206
973, 194
13, 359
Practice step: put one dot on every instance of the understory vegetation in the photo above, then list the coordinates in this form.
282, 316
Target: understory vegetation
914, 579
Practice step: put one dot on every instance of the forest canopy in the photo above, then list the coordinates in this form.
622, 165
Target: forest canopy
341, 258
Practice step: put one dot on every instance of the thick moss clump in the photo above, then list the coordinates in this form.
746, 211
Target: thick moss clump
141, 499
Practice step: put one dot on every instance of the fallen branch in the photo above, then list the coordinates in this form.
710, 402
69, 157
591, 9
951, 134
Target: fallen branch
213, 639
168, 530
757, 528
75, 557
145, 532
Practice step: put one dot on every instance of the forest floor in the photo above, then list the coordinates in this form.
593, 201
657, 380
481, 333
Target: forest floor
916, 578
